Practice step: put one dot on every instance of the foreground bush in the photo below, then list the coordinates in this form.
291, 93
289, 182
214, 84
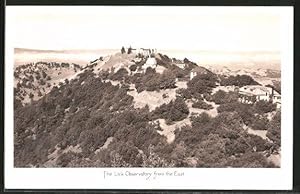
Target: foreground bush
264, 106
176, 110
202, 105
202, 83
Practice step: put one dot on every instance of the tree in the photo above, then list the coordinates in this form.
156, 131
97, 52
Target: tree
44, 74
133, 67
123, 50
238, 80
222, 97
184, 93
17, 104
259, 123
120, 74
264, 107
202, 105
40, 93
211, 151
274, 129
31, 95
129, 50
174, 111
202, 83
201, 120
250, 160
167, 80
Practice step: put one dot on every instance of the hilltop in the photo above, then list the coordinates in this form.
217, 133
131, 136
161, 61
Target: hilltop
135, 110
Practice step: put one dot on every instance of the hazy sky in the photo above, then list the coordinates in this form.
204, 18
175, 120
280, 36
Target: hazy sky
195, 28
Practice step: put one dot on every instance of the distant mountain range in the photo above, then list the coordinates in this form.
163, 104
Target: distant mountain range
216, 59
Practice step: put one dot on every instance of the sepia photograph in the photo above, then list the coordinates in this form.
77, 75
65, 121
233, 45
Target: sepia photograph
157, 102
147, 87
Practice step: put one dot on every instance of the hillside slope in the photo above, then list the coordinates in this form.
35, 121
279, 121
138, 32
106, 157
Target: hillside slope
117, 113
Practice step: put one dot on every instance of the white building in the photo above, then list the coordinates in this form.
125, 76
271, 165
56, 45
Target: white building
249, 94
145, 52
151, 62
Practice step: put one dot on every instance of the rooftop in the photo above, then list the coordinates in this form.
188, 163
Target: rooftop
258, 90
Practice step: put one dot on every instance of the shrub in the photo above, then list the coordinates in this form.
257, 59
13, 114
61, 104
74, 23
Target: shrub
238, 80
167, 80
31, 95
202, 105
227, 121
17, 104
120, 74
40, 93
245, 111
202, 83
274, 129
152, 81
37, 77
229, 107
174, 111
264, 107
184, 93
64, 159
211, 151
133, 67
201, 119
42, 82
259, 123
251, 160
44, 74
259, 143
222, 97
236, 146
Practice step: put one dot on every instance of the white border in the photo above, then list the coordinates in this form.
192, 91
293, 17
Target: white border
201, 178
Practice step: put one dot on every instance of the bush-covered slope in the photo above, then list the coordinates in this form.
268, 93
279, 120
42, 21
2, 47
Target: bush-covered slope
89, 121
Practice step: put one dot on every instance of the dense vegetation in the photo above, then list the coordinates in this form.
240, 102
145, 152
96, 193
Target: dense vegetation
88, 122
34, 79
174, 111
83, 116
238, 80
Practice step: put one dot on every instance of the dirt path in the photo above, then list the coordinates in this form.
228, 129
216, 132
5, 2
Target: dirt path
168, 130
105, 145
260, 133
153, 99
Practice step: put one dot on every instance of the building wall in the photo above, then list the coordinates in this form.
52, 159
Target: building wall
192, 75
263, 97
145, 52
278, 105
